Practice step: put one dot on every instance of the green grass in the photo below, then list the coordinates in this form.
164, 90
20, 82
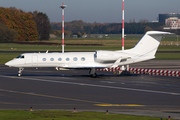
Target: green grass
169, 39
18, 47
110, 43
17, 115
167, 55
5, 57
107, 45
65, 115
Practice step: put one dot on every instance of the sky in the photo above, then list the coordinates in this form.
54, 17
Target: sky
100, 11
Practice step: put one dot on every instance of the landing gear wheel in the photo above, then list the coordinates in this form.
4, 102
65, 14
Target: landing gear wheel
94, 75
92, 72
20, 71
19, 74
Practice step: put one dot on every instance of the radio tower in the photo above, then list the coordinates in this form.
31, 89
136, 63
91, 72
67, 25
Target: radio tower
63, 6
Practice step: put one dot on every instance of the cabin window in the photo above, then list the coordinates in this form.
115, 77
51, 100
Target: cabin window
59, 59
75, 58
44, 59
52, 59
83, 59
67, 59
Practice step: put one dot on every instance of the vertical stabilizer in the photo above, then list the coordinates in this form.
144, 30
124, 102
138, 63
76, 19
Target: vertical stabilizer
149, 43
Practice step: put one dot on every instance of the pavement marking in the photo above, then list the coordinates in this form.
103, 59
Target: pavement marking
49, 96
92, 85
119, 105
87, 101
2, 102
9, 103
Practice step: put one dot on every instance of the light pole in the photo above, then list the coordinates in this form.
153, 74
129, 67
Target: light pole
122, 68
123, 26
63, 6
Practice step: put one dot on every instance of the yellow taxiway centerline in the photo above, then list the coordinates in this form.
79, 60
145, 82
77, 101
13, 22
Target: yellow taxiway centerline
87, 101
118, 105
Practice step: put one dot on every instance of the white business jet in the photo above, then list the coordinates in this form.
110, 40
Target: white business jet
144, 50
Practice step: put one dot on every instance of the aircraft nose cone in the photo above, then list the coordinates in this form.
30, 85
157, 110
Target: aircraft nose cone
8, 63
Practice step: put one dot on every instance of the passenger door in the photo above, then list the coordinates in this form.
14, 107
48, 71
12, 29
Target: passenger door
34, 60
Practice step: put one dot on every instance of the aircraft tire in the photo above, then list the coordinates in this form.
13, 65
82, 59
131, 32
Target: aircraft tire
19, 74
94, 75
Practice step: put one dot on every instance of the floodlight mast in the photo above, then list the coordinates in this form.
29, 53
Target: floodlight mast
123, 30
63, 6
123, 26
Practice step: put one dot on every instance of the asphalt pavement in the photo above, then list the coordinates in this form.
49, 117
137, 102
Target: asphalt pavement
47, 89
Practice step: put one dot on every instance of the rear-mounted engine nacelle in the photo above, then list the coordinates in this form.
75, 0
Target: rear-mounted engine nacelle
105, 56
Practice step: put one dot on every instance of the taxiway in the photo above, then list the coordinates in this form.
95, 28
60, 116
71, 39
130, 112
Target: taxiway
46, 88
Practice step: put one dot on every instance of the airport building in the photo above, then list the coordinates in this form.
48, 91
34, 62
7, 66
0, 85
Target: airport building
172, 23
171, 20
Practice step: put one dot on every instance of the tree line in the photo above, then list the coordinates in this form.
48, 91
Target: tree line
15, 24
107, 28
7, 34
23, 26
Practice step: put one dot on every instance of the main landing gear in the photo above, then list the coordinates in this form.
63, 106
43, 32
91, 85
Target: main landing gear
94, 75
20, 71
92, 72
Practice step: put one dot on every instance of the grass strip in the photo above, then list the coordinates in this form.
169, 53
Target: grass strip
169, 56
5, 57
18, 115
66, 115
107, 45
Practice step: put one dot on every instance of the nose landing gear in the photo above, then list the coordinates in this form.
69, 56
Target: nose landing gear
20, 71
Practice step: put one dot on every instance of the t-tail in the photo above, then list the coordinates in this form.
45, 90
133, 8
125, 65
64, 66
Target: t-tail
146, 48
148, 45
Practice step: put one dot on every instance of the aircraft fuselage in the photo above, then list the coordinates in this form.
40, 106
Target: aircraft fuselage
62, 60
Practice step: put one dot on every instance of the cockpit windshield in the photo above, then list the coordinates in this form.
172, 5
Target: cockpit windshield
20, 56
